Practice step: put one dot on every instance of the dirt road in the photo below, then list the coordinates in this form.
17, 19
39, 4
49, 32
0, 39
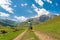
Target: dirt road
43, 36
20, 36
40, 35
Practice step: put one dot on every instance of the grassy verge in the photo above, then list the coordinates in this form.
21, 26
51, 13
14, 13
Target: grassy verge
10, 36
11, 33
29, 36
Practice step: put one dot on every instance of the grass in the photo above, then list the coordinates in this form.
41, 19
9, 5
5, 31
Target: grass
11, 33
51, 27
9, 36
30, 36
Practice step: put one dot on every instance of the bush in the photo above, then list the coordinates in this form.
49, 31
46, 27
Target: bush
3, 31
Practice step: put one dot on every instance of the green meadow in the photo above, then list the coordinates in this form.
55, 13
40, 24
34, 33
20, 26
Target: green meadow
8, 33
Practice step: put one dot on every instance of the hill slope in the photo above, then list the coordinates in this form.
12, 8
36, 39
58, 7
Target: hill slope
51, 27
8, 33
8, 22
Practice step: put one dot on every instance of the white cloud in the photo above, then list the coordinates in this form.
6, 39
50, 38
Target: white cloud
49, 1
40, 11
30, 11
4, 14
20, 19
15, 6
5, 4
40, 2
57, 14
25, 4
34, 6
56, 4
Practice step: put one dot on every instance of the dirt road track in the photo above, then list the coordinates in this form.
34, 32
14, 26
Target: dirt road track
42, 36
20, 36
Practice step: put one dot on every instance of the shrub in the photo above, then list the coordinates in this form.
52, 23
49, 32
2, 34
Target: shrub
3, 31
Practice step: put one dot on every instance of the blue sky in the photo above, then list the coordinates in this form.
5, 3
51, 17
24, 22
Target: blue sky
21, 10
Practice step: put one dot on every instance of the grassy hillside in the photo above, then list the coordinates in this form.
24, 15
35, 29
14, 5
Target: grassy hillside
8, 33
51, 27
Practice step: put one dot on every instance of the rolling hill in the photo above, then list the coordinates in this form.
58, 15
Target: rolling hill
50, 27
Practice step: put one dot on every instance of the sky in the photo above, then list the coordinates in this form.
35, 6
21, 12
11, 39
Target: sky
21, 10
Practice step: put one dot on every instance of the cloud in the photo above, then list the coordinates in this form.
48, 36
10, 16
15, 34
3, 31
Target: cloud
49, 1
4, 14
57, 14
15, 6
56, 4
39, 11
30, 11
25, 4
20, 18
5, 4
40, 2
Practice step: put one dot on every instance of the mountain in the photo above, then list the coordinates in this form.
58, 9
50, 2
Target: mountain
37, 20
42, 18
7, 22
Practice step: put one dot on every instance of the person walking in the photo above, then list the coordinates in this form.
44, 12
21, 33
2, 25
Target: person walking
30, 24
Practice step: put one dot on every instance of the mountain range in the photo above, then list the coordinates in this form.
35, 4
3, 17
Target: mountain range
42, 18
36, 20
